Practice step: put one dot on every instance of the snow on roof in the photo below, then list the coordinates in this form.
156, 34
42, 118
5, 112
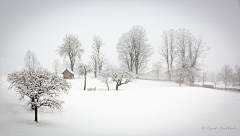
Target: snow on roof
150, 70
68, 71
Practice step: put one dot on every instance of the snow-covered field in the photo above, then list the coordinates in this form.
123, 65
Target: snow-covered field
142, 108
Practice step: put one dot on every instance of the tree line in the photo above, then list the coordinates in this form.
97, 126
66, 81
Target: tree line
227, 75
181, 54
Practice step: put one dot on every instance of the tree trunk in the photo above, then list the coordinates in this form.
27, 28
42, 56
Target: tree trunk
193, 79
85, 79
117, 87
170, 76
108, 87
32, 107
180, 81
203, 82
72, 65
95, 72
36, 116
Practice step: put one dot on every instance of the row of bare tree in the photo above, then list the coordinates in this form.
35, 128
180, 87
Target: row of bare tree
226, 75
182, 54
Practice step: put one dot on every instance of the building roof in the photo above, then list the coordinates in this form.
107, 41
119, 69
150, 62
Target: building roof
70, 71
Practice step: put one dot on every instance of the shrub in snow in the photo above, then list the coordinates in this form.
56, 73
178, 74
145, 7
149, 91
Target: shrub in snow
42, 87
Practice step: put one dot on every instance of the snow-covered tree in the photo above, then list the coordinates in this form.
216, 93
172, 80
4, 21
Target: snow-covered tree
134, 50
40, 86
225, 75
121, 76
71, 48
105, 77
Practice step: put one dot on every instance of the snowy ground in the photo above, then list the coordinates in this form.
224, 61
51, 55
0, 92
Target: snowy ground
142, 108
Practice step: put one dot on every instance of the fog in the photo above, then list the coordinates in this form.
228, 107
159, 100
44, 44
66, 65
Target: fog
40, 26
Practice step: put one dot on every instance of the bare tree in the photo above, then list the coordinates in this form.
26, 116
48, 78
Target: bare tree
204, 76
102, 61
42, 87
167, 50
94, 64
213, 77
183, 39
134, 50
66, 64
237, 76
83, 70
57, 67
31, 62
189, 51
226, 74
157, 67
196, 50
71, 48
96, 57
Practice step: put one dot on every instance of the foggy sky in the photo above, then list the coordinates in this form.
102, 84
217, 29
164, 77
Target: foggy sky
40, 26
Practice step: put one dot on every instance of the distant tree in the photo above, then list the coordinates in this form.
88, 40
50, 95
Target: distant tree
183, 39
105, 77
190, 50
167, 50
97, 58
226, 75
213, 77
121, 77
83, 70
196, 52
134, 50
102, 61
31, 62
94, 64
236, 77
40, 86
71, 48
157, 67
204, 76
57, 67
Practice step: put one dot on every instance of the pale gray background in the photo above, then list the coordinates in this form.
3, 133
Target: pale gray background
40, 26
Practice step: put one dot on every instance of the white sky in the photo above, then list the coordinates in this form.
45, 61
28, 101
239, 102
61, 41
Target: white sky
40, 26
